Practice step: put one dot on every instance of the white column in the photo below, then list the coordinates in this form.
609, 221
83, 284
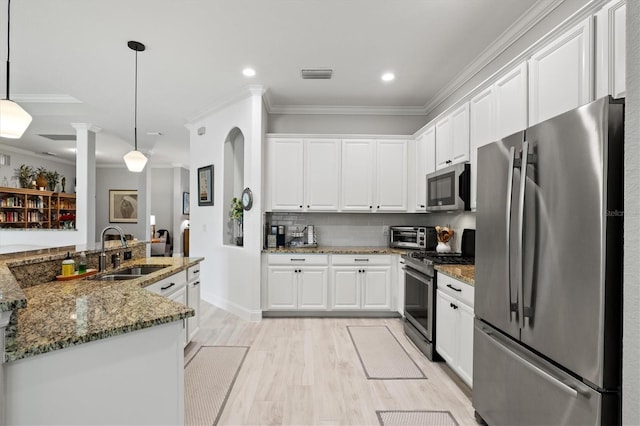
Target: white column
144, 205
86, 181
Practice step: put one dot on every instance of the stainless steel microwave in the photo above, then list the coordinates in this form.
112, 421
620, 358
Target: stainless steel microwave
449, 189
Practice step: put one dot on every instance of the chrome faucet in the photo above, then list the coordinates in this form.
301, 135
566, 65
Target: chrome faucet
102, 260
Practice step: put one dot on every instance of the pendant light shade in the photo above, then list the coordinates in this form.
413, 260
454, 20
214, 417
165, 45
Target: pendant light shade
13, 119
135, 160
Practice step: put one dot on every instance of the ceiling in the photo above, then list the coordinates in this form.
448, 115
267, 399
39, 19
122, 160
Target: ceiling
70, 62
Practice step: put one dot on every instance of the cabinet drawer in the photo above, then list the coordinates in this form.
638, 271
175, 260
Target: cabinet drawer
193, 273
169, 285
361, 259
456, 289
296, 259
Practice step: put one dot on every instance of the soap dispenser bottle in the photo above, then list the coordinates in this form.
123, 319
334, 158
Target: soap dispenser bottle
68, 266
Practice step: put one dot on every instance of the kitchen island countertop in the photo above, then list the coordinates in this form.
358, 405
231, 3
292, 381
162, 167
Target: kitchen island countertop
60, 314
464, 273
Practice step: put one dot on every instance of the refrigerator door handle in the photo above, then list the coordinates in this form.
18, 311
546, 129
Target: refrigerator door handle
523, 181
513, 305
539, 371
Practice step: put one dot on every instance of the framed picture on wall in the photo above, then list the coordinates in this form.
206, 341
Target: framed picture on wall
205, 185
123, 206
185, 203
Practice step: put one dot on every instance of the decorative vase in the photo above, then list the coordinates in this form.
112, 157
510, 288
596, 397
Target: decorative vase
238, 233
443, 247
41, 181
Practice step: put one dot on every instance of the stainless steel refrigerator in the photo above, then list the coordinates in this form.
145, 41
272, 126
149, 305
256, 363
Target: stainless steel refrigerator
548, 295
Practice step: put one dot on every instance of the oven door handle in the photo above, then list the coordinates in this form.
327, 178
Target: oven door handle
420, 277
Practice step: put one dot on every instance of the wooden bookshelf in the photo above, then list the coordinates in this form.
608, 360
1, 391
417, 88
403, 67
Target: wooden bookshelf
31, 208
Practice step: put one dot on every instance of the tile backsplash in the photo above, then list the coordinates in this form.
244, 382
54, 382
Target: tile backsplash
367, 229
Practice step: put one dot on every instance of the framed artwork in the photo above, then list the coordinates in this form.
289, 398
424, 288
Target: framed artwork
205, 185
123, 206
185, 203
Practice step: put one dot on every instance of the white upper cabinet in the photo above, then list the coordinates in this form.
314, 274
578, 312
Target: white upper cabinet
425, 164
482, 126
510, 93
452, 137
286, 174
357, 174
560, 76
322, 174
610, 49
391, 175
365, 188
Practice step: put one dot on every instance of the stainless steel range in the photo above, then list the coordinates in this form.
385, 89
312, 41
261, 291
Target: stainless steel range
420, 291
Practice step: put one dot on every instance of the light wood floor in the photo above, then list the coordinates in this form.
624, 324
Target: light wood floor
305, 371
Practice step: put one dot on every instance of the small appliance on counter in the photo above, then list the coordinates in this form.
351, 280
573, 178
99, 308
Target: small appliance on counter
280, 237
272, 236
304, 238
412, 237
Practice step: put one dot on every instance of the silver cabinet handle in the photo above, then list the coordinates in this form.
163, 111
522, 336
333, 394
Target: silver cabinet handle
361, 260
297, 260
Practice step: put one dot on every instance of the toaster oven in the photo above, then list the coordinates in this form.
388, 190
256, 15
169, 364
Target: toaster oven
412, 237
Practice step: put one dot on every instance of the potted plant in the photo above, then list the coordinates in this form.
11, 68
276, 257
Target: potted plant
236, 213
53, 177
24, 174
41, 179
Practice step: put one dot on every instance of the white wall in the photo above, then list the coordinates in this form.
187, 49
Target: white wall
230, 275
162, 198
345, 124
631, 310
118, 178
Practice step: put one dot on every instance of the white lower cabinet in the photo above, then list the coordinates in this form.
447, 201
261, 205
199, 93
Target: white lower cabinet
193, 301
312, 282
180, 296
297, 282
361, 282
454, 325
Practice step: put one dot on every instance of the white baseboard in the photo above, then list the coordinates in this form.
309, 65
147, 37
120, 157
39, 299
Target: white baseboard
241, 311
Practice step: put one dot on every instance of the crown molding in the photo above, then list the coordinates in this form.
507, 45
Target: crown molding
344, 110
243, 93
45, 99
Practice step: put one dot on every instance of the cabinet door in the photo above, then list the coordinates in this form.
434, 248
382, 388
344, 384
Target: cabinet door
346, 288
400, 290
464, 364
482, 120
193, 301
180, 296
286, 162
312, 288
510, 92
446, 327
425, 164
376, 288
460, 134
357, 175
560, 76
282, 288
443, 142
391, 175
322, 174
610, 50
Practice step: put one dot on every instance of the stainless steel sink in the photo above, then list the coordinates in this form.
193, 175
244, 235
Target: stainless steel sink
130, 273
140, 270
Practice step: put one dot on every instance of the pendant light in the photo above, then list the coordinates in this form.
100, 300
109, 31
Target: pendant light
13, 119
135, 160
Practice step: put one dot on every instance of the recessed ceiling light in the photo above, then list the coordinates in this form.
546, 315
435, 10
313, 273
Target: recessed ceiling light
249, 72
388, 76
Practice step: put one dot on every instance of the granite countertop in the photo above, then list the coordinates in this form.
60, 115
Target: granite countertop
60, 314
464, 273
336, 250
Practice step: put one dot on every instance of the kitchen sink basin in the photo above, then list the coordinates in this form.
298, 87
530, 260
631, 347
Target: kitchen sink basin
130, 273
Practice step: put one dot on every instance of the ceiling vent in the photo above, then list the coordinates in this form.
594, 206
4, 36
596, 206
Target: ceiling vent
60, 137
316, 73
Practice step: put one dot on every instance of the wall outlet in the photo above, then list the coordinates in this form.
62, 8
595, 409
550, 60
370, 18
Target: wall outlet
385, 231
127, 255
